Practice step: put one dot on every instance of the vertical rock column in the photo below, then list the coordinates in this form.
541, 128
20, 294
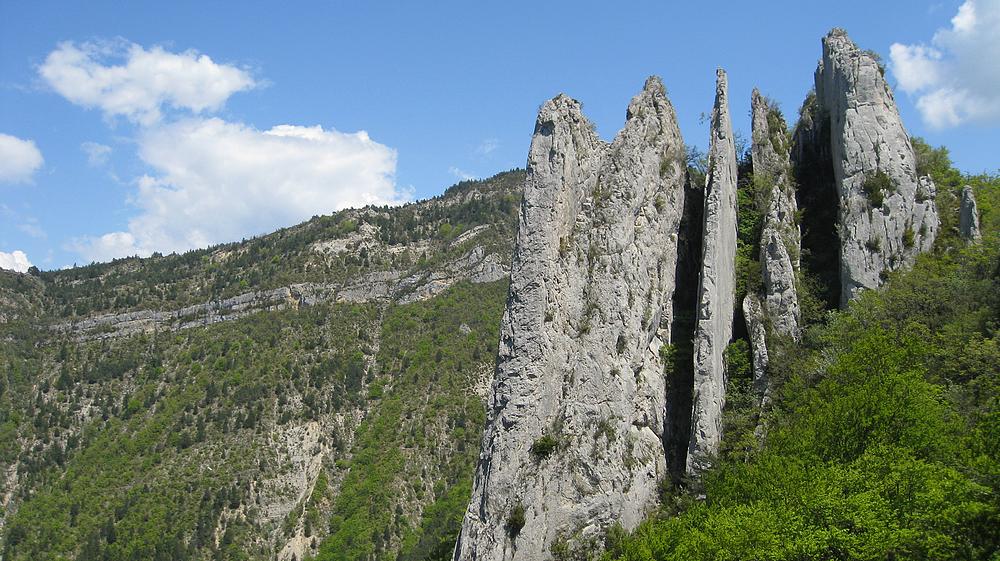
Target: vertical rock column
968, 216
780, 238
887, 213
716, 286
573, 441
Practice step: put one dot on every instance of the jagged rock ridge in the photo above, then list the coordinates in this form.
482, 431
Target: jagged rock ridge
887, 213
575, 416
716, 286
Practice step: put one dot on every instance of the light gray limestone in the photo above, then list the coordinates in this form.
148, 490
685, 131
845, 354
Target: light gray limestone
716, 287
780, 237
869, 148
588, 310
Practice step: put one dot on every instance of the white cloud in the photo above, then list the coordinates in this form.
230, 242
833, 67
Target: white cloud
15, 261
956, 79
217, 181
97, 154
461, 174
487, 146
19, 159
107, 247
144, 82
31, 228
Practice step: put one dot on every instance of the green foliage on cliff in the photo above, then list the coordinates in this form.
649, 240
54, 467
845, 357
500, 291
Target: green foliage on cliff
423, 440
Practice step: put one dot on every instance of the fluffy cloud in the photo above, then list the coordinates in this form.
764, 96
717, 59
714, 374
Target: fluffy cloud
217, 181
487, 146
97, 154
19, 159
144, 82
15, 261
461, 173
956, 79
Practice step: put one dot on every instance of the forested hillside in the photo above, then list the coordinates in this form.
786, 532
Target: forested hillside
345, 411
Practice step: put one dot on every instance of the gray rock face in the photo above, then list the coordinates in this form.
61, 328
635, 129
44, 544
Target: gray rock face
716, 286
887, 213
575, 413
780, 238
968, 217
757, 331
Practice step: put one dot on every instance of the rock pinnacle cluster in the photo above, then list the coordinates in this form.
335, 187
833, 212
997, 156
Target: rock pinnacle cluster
617, 248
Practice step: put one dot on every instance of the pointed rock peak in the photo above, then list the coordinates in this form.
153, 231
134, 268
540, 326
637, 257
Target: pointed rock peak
563, 113
837, 45
558, 107
654, 85
722, 90
769, 130
759, 101
722, 127
837, 32
838, 41
653, 95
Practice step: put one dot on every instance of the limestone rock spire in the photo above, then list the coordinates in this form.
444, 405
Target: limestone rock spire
716, 286
574, 432
780, 237
968, 216
887, 212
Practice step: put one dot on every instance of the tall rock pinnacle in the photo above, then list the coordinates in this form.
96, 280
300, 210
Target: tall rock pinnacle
780, 238
968, 216
716, 286
887, 213
575, 417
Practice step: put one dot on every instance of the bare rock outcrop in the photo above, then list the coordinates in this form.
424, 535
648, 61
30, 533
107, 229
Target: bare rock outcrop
753, 312
968, 216
573, 441
780, 238
887, 213
716, 286
756, 332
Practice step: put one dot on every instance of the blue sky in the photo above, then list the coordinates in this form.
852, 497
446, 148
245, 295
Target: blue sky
156, 148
